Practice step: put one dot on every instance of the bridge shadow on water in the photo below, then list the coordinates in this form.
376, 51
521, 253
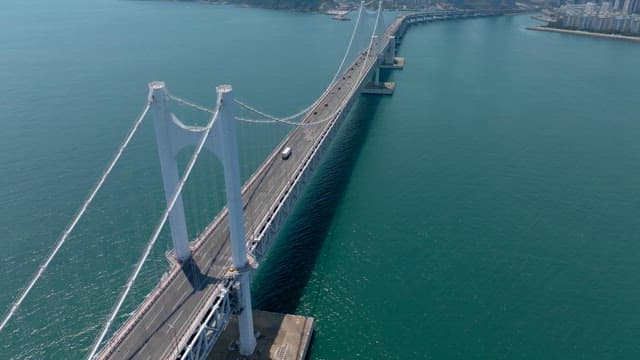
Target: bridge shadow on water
281, 279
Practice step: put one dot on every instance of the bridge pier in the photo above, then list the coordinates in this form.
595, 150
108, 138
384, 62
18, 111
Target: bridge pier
376, 87
389, 59
281, 336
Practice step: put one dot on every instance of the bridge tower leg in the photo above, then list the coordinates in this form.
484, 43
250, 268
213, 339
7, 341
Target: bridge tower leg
169, 168
229, 157
375, 87
389, 58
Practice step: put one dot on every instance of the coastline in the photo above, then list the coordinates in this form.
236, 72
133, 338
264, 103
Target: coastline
585, 33
320, 8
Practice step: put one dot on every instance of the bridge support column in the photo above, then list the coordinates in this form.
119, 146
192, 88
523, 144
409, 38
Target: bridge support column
169, 168
229, 155
389, 59
376, 76
376, 87
390, 51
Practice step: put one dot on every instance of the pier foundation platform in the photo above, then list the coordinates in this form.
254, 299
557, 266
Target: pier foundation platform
280, 336
383, 88
398, 63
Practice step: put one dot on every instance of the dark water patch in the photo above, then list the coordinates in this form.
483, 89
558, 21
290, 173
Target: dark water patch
279, 284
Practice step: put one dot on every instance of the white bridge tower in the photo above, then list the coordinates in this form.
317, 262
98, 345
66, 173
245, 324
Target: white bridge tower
172, 136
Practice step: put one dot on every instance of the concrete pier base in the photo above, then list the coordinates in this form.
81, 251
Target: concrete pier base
398, 63
383, 88
281, 336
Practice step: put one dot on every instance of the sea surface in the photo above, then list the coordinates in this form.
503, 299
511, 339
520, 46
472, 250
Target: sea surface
487, 210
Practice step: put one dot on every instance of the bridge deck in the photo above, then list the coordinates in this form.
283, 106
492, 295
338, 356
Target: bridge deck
155, 332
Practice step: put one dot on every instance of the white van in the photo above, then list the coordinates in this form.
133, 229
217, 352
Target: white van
286, 153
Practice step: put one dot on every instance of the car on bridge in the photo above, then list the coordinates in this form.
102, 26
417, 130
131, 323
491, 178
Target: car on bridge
286, 153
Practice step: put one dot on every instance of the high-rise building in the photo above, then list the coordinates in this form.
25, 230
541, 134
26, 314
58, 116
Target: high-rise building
630, 6
616, 5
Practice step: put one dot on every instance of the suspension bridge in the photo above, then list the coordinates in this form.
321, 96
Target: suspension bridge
209, 278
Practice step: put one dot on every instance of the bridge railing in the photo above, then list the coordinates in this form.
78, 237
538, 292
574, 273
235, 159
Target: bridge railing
211, 326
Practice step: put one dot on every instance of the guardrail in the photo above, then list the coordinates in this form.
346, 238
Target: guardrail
215, 322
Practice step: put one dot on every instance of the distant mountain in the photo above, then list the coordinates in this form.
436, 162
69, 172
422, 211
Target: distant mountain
299, 5
482, 3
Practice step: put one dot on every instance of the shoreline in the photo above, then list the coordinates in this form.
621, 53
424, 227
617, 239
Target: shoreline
585, 33
246, 4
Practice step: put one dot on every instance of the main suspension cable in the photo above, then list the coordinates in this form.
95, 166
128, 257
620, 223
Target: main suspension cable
190, 104
335, 76
65, 235
274, 119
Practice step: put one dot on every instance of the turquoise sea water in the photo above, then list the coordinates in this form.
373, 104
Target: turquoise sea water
487, 210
